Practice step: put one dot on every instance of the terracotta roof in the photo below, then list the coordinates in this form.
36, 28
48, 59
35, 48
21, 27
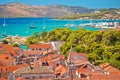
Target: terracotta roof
60, 70
83, 70
2, 79
13, 52
93, 75
48, 52
19, 78
28, 52
47, 59
104, 77
5, 57
36, 64
104, 65
76, 56
40, 46
62, 57
80, 62
7, 53
16, 50
34, 70
13, 68
44, 79
107, 67
3, 68
6, 47
52, 56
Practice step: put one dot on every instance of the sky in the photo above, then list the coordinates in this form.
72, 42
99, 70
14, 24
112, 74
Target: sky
83, 3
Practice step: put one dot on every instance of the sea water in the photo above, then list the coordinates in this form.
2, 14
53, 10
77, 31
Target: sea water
20, 26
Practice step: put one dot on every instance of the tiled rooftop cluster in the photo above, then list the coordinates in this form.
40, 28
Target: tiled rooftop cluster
42, 62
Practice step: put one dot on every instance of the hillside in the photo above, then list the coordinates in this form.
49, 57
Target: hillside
22, 10
112, 13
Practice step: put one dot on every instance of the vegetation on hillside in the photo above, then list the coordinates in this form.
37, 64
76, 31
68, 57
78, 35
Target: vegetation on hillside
100, 46
101, 14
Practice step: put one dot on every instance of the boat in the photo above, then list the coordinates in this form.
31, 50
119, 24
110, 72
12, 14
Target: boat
32, 27
4, 24
4, 35
71, 24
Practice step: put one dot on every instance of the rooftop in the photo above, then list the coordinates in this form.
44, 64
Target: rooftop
6, 47
34, 70
40, 46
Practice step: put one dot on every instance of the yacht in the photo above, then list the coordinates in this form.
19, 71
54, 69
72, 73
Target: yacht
32, 27
4, 34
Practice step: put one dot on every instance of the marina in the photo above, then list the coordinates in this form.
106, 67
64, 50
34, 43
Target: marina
22, 27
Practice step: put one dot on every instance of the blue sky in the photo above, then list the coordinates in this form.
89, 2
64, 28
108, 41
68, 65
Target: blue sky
84, 3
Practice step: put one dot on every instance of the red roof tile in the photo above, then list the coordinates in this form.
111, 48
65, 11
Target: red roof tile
60, 70
19, 78
6, 47
40, 46
107, 67
13, 68
5, 57
2, 79
3, 68
28, 52
76, 56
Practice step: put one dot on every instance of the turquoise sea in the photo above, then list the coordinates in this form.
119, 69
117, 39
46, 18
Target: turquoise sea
20, 26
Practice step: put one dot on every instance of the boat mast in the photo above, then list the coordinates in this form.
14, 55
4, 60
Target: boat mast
4, 24
44, 25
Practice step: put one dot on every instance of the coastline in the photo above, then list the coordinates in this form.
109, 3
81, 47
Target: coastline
20, 26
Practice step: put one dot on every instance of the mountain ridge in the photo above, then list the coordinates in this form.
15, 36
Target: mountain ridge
55, 10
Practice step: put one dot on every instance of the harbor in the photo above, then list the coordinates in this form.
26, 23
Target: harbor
24, 25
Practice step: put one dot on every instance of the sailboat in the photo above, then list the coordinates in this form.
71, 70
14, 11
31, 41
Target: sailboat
32, 26
4, 34
27, 31
44, 25
4, 23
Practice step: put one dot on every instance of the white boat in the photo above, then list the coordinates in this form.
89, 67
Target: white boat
32, 26
4, 23
70, 24
4, 34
